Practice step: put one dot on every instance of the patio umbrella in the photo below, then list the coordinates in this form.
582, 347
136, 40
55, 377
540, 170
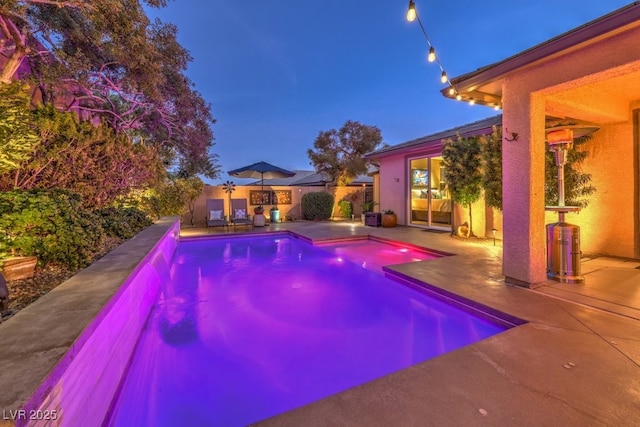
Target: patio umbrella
262, 170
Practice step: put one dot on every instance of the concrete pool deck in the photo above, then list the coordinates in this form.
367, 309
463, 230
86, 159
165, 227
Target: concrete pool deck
576, 361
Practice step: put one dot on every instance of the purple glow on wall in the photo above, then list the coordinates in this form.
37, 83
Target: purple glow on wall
81, 386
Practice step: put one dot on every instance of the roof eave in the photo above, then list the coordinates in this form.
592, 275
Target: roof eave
608, 25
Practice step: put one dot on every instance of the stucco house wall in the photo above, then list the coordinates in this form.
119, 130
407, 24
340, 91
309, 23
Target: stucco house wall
393, 184
606, 225
574, 85
353, 193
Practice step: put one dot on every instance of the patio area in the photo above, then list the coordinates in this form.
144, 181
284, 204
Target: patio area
575, 361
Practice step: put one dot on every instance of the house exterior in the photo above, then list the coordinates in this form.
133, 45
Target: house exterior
412, 183
589, 74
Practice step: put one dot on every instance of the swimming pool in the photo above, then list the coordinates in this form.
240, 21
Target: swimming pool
247, 328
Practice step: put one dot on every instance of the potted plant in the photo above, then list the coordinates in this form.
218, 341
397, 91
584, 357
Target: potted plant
389, 218
274, 214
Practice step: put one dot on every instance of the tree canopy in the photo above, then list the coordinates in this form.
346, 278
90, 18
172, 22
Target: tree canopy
83, 157
340, 153
18, 131
492, 171
105, 60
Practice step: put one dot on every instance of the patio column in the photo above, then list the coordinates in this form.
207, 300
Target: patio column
524, 245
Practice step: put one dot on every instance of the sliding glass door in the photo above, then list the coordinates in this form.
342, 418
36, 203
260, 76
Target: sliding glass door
429, 198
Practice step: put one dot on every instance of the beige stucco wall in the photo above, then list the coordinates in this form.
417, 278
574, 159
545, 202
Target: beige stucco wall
393, 184
354, 194
594, 84
606, 225
242, 192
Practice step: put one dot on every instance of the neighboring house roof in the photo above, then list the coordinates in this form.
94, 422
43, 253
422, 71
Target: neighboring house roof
483, 84
309, 178
480, 127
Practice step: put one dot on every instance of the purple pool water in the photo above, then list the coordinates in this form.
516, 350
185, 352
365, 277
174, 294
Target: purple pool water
373, 255
247, 328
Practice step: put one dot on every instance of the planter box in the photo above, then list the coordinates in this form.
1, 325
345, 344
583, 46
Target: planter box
19, 267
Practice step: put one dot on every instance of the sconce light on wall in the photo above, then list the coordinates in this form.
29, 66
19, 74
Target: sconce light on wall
514, 136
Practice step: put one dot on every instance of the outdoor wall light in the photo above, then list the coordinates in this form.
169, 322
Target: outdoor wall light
514, 136
493, 231
411, 12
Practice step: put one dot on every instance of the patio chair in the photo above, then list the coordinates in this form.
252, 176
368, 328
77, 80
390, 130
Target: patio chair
215, 214
240, 213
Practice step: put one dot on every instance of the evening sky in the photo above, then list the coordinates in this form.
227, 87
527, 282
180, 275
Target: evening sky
278, 72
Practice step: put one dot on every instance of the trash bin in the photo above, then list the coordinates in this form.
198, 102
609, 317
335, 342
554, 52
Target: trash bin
274, 215
563, 252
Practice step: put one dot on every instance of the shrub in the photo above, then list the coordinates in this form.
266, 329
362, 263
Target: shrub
317, 205
346, 208
123, 222
49, 224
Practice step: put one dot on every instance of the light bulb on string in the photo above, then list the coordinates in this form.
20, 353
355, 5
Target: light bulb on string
452, 91
432, 54
411, 12
443, 77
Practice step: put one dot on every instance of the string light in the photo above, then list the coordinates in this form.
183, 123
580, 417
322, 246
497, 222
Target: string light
432, 54
412, 15
411, 12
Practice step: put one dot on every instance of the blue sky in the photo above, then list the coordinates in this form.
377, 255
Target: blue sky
278, 72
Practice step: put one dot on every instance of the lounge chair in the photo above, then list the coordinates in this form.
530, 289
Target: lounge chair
240, 213
215, 214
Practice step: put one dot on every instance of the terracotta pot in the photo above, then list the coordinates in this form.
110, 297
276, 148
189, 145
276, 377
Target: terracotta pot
21, 267
389, 220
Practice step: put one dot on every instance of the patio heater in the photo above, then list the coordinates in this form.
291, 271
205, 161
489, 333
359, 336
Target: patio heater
563, 239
